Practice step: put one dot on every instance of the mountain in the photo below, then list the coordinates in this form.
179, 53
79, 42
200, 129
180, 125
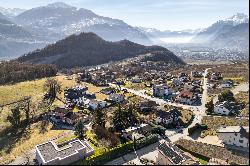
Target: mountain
10, 30
88, 49
236, 37
3, 16
14, 39
59, 20
11, 12
223, 29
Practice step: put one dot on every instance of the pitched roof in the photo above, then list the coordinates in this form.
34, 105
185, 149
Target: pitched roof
172, 152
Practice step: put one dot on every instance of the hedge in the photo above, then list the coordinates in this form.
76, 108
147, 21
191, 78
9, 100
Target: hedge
197, 155
120, 150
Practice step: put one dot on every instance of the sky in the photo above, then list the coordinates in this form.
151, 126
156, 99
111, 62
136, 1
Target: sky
160, 14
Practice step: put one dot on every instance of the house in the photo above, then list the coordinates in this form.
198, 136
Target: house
161, 90
135, 79
187, 97
226, 84
146, 106
225, 108
116, 98
216, 161
183, 75
63, 118
235, 136
167, 117
69, 152
108, 91
89, 95
216, 76
75, 92
177, 81
94, 104
196, 74
170, 154
136, 131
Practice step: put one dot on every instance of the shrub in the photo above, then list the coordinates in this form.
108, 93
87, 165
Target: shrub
120, 150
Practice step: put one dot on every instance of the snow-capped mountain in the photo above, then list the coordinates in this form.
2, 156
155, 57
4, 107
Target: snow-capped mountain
11, 12
221, 30
59, 20
237, 19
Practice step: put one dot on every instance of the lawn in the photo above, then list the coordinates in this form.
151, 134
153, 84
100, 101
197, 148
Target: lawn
10, 93
214, 123
38, 133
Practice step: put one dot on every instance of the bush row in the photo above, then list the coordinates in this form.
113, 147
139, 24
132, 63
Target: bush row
120, 150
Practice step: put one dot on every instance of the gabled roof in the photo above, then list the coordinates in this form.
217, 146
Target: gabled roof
172, 153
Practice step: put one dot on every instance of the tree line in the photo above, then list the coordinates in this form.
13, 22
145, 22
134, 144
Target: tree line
13, 72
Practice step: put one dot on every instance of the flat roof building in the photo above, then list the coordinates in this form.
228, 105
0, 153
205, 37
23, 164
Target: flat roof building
66, 153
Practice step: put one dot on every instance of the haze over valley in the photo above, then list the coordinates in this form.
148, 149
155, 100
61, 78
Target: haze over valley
25, 30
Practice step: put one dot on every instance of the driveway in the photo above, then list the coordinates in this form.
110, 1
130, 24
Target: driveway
149, 152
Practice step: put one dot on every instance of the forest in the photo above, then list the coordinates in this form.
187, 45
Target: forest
13, 72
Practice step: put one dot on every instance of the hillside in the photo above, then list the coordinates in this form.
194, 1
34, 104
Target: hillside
236, 37
230, 32
88, 49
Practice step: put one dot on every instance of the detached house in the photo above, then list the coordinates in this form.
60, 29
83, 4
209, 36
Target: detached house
75, 92
136, 132
196, 74
63, 118
67, 153
177, 81
227, 84
147, 106
237, 136
187, 97
167, 117
116, 98
135, 79
94, 104
216, 76
161, 90
224, 108
170, 154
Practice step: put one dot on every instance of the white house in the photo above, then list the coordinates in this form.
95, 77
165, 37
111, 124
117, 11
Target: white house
50, 154
235, 136
226, 84
94, 104
117, 98
224, 108
135, 79
130, 132
161, 90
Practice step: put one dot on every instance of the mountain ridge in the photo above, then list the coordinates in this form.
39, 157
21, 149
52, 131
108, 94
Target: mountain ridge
88, 49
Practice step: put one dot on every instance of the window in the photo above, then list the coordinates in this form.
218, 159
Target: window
241, 141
